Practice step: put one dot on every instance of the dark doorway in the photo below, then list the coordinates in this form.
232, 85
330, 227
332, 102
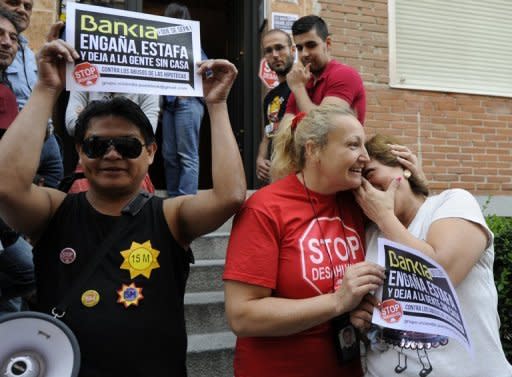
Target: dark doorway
229, 30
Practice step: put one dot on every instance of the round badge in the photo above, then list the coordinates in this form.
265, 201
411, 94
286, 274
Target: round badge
90, 298
67, 255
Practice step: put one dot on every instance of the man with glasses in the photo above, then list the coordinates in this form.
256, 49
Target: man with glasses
317, 79
279, 53
110, 262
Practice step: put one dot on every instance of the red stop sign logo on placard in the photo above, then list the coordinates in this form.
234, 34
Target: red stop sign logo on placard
268, 76
324, 259
86, 74
391, 311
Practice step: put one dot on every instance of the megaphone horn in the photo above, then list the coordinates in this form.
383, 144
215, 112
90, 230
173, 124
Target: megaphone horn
37, 345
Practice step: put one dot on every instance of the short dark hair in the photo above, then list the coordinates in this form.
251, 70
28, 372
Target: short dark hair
272, 31
177, 10
12, 17
117, 106
307, 23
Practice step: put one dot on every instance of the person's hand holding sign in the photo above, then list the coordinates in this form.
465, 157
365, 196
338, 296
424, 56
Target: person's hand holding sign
51, 64
361, 316
218, 77
55, 31
359, 280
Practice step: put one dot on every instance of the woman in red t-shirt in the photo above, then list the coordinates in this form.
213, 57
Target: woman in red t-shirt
294, 266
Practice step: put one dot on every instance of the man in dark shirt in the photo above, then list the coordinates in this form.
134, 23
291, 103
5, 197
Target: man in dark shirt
279, 52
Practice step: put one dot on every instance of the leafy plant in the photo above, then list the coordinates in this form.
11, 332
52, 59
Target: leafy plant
502, 229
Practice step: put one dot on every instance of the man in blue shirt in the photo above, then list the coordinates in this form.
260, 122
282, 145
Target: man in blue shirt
22, 75
16, 266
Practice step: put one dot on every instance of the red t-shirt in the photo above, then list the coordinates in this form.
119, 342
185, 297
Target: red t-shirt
336, 80
275, 243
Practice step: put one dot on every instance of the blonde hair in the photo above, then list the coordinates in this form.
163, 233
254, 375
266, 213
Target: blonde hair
289, 147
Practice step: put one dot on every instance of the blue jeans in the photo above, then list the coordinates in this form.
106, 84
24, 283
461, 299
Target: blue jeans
16, 275
50, 165
181, 122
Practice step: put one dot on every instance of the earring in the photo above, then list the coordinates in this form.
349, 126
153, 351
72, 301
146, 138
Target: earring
407, 174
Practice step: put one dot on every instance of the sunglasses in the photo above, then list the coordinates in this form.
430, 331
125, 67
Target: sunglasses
127, 147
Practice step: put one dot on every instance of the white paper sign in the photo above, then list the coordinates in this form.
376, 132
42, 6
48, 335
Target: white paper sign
284, 21
129, 52
417, 295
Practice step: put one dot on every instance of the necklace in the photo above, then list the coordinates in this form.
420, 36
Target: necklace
327, 251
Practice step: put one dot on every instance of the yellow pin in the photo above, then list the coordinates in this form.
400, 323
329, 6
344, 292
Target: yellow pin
140, 259
90, 298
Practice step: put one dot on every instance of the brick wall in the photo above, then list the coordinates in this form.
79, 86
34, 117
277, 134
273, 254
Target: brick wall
465, 140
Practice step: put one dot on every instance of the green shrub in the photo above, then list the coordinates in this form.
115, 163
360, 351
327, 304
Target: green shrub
502, 229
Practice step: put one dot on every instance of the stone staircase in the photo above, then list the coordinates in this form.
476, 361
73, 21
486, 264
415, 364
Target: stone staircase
210, 342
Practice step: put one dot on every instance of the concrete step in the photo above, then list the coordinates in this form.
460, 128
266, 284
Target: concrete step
206, 276
204, 312
211, 246
211, 355
226, 227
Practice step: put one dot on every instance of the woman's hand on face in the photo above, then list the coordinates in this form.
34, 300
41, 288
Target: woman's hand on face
359, 279
361, 316
408, 160
375, 203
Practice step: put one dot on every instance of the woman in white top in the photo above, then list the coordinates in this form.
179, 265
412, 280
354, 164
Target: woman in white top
450, 228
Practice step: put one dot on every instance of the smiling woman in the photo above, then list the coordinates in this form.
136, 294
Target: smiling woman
294, 264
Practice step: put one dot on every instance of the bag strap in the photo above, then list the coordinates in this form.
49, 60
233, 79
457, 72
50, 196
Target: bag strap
127, 214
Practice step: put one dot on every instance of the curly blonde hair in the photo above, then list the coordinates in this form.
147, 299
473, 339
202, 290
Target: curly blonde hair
289, 152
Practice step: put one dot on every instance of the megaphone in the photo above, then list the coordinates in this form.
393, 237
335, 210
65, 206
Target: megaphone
37, 345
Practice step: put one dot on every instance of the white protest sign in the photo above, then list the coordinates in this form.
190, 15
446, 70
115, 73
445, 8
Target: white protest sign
130, 52
284, 21
417, 295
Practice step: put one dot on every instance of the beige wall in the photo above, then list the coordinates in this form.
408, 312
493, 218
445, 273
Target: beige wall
43, 15
300, 7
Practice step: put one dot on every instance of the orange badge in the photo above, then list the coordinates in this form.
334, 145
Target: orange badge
129, 295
